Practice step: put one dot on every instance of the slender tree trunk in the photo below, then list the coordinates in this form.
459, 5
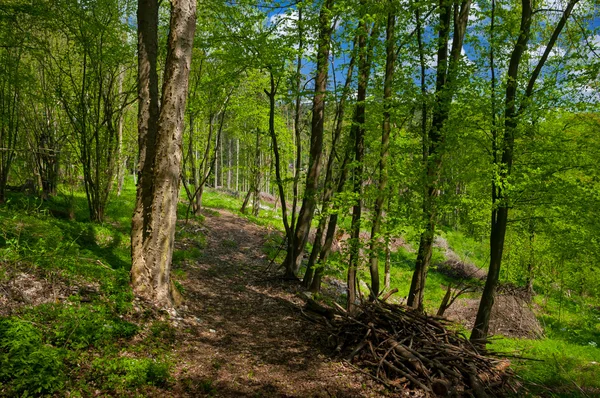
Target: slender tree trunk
9, 128
358, 133
292, 261
290, 237
279, 181
229, 163
445, 73
121, 159
216, 163
257, 178
194, 158
387, 279
246, 201
385, 144
222, 165
160, 130
206, 166
254, 180
500, 203
329, 183
315, 285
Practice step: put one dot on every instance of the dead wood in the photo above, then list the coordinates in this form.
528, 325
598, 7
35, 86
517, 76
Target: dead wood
403, 348
315, 307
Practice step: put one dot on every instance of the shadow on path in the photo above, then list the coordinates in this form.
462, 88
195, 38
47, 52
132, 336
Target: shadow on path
243, 333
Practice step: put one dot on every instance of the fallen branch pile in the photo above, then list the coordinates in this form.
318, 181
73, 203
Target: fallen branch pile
403, 348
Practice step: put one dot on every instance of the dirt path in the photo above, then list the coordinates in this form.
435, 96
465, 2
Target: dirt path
243, 335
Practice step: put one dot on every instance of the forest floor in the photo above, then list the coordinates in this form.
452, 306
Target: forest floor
244, 334
241, 332
70, 326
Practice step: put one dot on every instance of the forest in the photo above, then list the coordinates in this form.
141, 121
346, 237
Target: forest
327, 198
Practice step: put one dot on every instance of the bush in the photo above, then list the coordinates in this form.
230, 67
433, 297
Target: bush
119, 374
28, 365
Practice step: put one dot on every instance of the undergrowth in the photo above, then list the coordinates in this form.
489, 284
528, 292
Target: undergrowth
89, 338
565, 363
96, 340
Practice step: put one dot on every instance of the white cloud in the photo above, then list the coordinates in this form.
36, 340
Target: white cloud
286, 25
475, 13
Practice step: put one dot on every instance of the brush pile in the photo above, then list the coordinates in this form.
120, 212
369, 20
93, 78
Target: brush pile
405, 349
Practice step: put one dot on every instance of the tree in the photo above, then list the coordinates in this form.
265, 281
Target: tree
309, 202
160, 127
385, 144
10, 109
357, 134
333, 184
446, 71
503, 154
88, 56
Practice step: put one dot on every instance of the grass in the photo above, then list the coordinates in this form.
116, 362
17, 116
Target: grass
220, 200
559, 368
467, 248
91, 342
94, 342
567, 360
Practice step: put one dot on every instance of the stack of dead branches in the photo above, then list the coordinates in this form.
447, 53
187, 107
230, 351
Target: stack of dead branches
403, 348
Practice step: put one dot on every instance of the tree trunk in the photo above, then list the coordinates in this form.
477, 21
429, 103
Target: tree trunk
358, 133
288, 228
315, 285
445, 79
500, 200
246, 201
229, 163
9, 122
292, 260
329, 180
237, 165
121, 159
160, 129
257, 178
385, 144
205, 165
291, 244
387, 279
216, 163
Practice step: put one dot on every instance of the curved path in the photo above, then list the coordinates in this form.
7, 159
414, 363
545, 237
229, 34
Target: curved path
242, 334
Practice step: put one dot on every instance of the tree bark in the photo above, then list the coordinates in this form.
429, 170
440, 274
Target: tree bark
279, 180
257, 178
500, 199
387, 278
358, 133
160, 129
237, 164
121, 159
309, 202
445, 79
385, 144
315, 285
229, 162
329, 179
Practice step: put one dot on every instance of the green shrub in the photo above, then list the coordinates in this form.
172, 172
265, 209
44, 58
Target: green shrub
78, 327
558, 364
186, 254
118, 374
163, 331
27, 365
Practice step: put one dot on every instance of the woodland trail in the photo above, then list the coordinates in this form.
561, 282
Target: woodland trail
242, 334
